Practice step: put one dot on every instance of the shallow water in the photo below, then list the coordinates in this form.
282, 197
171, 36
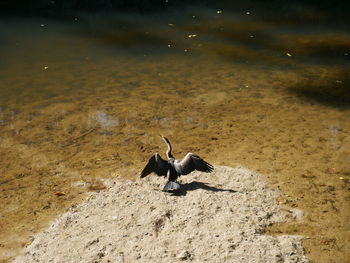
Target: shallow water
85, 100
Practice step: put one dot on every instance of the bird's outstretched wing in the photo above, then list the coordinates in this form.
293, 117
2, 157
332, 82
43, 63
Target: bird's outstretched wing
155, 164
192, 162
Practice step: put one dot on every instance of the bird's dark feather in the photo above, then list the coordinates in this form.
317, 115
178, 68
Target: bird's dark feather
193, 162
155, 164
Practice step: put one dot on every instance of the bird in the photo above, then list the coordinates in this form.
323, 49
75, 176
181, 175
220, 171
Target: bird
172, 169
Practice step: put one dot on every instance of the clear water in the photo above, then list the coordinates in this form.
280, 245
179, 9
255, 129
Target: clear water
86, 99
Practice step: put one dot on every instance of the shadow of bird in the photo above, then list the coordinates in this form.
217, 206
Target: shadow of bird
199, 185
172, 169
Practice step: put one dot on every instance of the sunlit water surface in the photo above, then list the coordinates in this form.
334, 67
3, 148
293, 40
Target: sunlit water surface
85, 100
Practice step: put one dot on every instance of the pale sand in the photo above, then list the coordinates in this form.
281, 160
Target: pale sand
218, 217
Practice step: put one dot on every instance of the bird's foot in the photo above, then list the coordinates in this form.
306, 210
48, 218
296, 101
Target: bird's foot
170, 186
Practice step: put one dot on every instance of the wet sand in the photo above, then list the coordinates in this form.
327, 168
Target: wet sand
72, 119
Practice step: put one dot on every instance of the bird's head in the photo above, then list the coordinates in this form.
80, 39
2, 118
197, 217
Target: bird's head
165, 139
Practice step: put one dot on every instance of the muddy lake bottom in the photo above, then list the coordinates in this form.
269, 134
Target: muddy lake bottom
75, 112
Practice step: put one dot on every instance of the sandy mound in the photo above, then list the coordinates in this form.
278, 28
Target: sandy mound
218, 217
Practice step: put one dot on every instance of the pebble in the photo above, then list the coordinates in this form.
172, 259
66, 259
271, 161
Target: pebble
297, 213
184, 255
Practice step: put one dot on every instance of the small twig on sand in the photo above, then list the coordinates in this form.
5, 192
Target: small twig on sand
73, 140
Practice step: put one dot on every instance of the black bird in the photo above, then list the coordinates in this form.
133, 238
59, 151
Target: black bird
173, 169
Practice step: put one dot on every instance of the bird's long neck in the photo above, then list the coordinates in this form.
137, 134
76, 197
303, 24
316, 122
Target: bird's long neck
168, 152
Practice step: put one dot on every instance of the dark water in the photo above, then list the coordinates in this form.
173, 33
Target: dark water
85, 98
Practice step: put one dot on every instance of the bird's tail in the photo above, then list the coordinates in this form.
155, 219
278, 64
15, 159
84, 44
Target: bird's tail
170, 185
